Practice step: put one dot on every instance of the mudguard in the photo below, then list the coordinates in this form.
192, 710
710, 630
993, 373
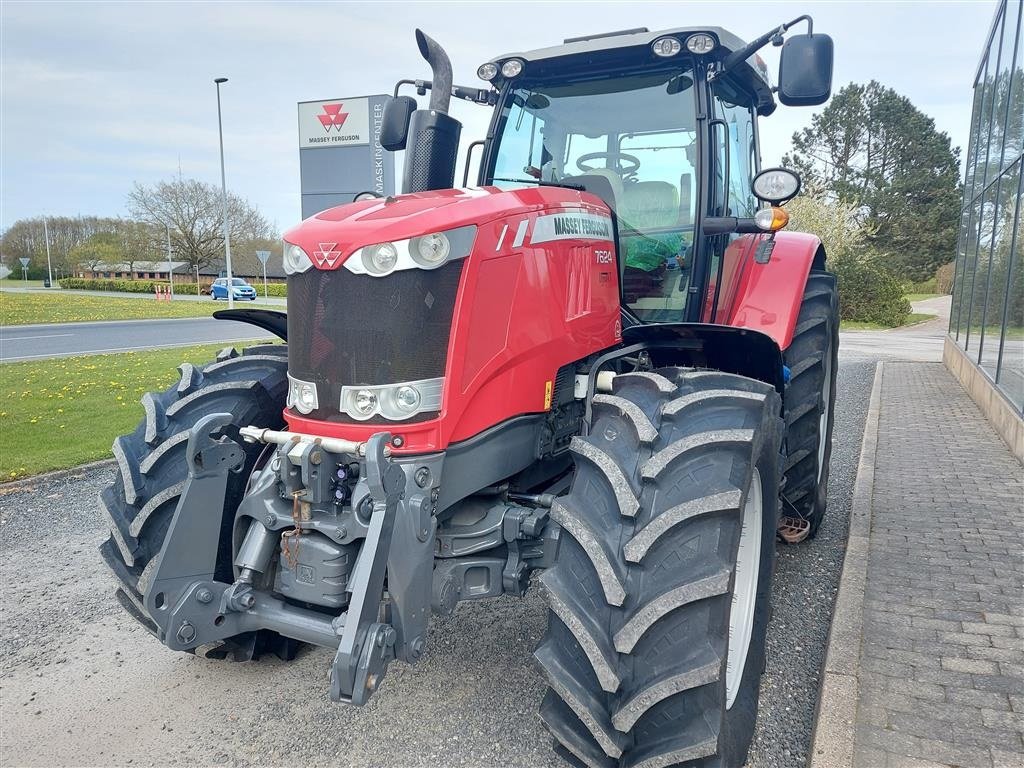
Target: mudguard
701, 345
267, 319
766, 297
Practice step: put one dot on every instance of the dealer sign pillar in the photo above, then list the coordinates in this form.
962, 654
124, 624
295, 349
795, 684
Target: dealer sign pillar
340, 153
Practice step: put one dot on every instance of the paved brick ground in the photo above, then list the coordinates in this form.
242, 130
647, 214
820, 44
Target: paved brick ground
942, 658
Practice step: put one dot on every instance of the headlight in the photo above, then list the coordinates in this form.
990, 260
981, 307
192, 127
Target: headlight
775, 185
302, 395
394, 402
487, 71
700, 43
512, 68
380, 259
666, 46
365, 402
407, 398
429, 251
295, 259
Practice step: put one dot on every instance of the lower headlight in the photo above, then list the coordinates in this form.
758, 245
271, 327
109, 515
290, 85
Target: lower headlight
302, 395
394, 402
365, 402
407, 398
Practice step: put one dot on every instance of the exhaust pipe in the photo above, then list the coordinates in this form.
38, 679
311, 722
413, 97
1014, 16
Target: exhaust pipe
441, 67
433, 138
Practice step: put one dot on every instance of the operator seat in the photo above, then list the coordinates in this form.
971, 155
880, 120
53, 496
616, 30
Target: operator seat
603, 182
650, 205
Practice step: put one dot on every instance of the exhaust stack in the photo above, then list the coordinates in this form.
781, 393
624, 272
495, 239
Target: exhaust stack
441, 69
433, 138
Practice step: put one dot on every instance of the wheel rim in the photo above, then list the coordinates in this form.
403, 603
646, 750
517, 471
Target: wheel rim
744, 595
826, 396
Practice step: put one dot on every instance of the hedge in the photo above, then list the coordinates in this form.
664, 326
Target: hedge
149, 286
869, 293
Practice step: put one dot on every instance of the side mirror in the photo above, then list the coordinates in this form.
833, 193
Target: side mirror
805, 70
394, 128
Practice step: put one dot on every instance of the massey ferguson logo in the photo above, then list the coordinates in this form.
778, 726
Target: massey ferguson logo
332, 117
327, 255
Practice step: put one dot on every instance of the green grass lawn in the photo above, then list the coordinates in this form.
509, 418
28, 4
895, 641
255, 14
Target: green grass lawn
30, 308
922, 296
63, 412
12, 282
855, 325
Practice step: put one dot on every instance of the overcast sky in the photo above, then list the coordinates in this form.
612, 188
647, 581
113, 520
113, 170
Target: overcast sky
96, 96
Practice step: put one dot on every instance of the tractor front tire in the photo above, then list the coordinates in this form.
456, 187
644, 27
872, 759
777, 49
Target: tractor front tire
659, 597
812, 359
151, 473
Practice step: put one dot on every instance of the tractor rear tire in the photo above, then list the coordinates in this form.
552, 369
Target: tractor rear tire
660, 595
812, 359
151, 474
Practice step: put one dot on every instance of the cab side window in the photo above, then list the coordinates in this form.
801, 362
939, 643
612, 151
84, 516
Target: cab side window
735, 108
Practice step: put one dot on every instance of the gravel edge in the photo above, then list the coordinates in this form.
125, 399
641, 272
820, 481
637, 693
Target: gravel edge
832, 741
57, 474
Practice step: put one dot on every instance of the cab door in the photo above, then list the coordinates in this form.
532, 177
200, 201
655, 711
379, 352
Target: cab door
736, 160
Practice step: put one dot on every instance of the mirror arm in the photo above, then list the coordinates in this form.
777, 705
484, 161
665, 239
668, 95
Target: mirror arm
774, 37
475, 95
727, 225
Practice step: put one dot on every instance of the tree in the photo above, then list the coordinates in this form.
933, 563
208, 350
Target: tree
138, 241
872, 149
103, 248
193, 211
868, 291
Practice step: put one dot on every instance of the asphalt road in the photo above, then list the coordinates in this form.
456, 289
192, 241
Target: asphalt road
33, 342
74, 667
148, 296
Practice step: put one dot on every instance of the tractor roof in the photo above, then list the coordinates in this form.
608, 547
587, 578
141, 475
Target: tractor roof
632, 47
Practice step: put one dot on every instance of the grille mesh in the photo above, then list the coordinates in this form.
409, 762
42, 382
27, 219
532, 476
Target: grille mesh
350, 330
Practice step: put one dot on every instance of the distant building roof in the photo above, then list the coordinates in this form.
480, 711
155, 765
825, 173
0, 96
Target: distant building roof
139, 266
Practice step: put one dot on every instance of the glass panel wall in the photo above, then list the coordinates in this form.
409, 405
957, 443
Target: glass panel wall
987, 317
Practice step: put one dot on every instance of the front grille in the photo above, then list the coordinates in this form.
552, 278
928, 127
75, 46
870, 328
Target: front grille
352, 330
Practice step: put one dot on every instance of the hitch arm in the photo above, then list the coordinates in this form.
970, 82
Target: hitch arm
367, 645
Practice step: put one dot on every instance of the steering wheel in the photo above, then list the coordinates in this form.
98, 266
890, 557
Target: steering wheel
614, 162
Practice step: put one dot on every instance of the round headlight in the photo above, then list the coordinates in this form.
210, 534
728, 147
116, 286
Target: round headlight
666, 46
365, 196
407, 398
380, 259
295, 259
487, 71
365, 402
512, 68
430, 251
700, 43
775, 185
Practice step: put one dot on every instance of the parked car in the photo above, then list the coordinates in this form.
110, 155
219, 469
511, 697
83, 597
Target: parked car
241, 289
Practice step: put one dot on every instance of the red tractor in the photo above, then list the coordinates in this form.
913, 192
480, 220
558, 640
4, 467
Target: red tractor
605, 363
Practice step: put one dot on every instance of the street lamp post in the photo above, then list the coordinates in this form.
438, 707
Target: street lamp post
170, 267
49, 268
224, 198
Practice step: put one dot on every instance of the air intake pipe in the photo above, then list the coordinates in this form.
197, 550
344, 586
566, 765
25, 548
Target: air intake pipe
433, 142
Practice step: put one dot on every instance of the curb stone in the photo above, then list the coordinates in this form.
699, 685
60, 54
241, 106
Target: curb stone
832, 742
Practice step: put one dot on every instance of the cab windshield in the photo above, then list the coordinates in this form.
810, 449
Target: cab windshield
638, 132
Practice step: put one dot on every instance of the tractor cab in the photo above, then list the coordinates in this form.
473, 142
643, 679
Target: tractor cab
660, 125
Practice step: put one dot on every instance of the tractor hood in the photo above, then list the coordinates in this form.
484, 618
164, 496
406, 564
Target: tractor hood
343, 230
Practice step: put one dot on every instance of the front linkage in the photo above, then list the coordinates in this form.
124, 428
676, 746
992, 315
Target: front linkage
340, 516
